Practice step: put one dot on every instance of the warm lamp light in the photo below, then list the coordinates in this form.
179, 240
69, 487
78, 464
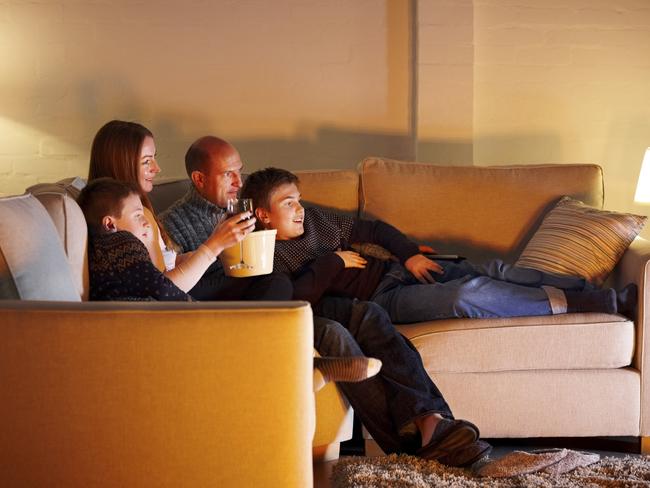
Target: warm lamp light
642, 194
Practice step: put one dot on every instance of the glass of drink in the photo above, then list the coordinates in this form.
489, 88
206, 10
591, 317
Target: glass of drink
236, 206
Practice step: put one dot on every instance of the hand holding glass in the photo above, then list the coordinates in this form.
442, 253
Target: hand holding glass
236, 206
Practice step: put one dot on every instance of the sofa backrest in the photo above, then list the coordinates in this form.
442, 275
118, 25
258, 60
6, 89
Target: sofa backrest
335, 189
60, 201
480, 212
33, 264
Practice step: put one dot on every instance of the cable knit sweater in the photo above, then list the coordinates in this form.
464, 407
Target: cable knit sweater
191, 220
120, 269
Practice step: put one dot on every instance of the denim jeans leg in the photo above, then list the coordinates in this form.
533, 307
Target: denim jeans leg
368, 398
474, 297
408, 390
502, 271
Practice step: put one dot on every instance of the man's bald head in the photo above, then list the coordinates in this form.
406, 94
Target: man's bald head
214, 166
202, 150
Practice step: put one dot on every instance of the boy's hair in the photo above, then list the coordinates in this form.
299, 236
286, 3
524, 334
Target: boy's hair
102, 197
260, 184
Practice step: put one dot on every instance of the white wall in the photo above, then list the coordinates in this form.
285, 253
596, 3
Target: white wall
291, 82
564, 81
315, 84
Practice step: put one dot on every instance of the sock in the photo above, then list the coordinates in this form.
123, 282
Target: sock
348, 369
626, 299
591, 301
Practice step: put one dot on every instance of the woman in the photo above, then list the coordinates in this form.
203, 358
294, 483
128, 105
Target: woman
126, 151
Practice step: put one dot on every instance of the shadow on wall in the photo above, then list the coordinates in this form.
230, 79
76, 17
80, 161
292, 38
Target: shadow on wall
448, 153
330, 148
518, 148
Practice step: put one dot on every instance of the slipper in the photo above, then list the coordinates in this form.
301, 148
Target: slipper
520, 462
449, 436
468, 455
573, 460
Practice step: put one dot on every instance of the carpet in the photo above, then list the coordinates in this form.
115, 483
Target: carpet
412, 472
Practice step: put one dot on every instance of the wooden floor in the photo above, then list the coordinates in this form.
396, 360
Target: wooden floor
605, 446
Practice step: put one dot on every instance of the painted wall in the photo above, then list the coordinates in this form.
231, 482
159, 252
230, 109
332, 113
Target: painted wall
297, 83
314, 84
564, 81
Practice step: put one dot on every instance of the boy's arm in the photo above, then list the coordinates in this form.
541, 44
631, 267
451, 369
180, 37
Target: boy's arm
313, 281
387, 236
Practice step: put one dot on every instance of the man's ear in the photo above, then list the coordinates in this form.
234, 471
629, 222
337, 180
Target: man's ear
197, 179
108, 224
262, 216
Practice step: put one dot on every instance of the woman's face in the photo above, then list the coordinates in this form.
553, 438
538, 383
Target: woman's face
148, 167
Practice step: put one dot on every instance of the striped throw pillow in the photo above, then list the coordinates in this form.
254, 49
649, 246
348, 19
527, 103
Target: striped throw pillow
578, 240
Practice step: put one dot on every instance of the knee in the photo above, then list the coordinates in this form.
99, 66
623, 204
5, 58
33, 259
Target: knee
332, 339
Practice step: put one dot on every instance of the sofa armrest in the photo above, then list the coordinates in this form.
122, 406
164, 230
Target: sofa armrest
634, 267
156, 394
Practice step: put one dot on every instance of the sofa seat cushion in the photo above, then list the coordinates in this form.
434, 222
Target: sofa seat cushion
565, 341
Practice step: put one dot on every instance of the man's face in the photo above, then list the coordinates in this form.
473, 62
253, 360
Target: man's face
221, 180
285, 214
133, 219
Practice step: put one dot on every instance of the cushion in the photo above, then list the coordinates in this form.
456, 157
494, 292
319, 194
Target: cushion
59, 199
33, 264
575, 239
333, 189
477, 212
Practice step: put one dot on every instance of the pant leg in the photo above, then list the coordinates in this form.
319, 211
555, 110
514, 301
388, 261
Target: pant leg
501, 271
368, 398
473, 297
408, 390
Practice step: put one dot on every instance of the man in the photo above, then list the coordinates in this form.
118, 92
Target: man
214, 168
401, 407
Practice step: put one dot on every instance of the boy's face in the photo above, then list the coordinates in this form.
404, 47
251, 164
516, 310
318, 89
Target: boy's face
132, 219
285, 214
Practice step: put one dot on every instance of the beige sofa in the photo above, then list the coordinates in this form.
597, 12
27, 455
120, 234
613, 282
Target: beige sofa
567, 375
572, 375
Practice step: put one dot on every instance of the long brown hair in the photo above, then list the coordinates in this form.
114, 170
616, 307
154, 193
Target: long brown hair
115, 153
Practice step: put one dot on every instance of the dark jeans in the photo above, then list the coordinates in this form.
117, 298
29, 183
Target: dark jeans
215, 285
494, 289
388, 403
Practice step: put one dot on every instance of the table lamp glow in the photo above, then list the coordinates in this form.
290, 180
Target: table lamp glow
642, 194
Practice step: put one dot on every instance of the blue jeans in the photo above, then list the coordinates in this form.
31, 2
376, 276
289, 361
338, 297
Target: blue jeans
464, 289
388, 403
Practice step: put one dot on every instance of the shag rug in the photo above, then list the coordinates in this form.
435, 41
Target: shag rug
412, 472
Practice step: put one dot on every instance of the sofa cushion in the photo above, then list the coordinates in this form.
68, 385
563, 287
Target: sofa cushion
564, 341
479, 212
575, 239
336, 189
34, 265
166, 192
59, 199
